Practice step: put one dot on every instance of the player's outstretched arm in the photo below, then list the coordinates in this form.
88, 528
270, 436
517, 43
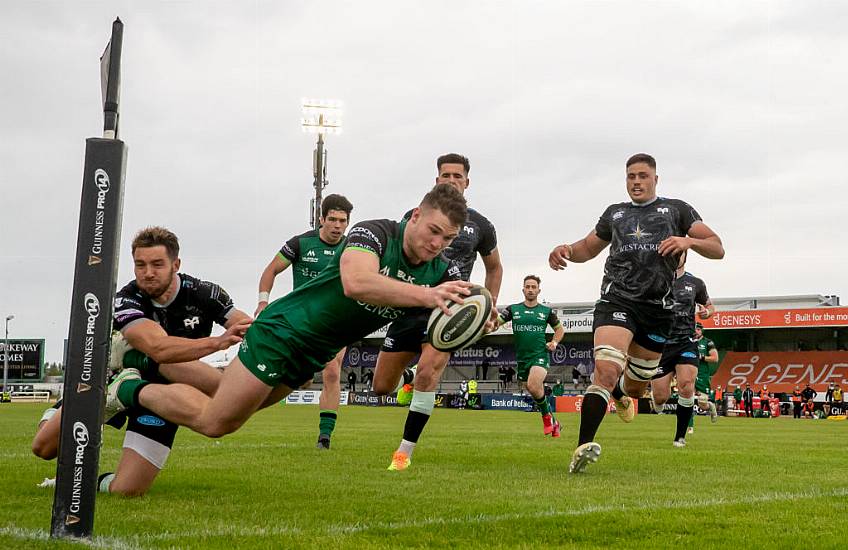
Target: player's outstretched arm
266, 281
151, 339
700, 238
494, 274
582, 251
362, 281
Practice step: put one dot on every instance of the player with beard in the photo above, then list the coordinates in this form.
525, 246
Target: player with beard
680, 355
308, 254
166, 317
529, 321
386, 266
634, 314
407, 336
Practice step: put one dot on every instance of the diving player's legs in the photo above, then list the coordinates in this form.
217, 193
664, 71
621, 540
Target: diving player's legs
202, 376
45, 444
133, 477
431, 365
535, 377
240, 394
329, 399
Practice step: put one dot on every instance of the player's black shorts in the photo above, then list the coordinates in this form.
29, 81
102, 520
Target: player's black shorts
650, 324
677, 353
407, 333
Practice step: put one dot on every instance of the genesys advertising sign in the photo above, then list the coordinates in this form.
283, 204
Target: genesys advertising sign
778, 318
782, 371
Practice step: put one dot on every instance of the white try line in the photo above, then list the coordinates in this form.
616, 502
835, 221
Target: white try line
133, 542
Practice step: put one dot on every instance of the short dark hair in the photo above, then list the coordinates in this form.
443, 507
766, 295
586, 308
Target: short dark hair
157, 236
449, 201
335, 202
642, 157
453, 158
534, 277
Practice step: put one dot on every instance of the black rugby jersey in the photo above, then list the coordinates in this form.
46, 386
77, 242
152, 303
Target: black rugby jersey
688, 290
476, 235
634, 270
190, 313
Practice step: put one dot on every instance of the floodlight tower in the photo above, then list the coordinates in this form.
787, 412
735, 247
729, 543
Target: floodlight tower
320, 116
6, 355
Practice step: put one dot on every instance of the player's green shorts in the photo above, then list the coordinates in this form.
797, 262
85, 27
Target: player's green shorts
524, 367
275, 354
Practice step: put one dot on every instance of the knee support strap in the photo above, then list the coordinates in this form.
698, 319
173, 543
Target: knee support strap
611, 354
642, 370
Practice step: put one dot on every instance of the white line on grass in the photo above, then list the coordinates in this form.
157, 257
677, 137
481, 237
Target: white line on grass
131, 541
96, 542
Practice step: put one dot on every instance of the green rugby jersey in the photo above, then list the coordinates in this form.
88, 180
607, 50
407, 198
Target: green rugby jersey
705, 370
309, 255
324, 320
528, 328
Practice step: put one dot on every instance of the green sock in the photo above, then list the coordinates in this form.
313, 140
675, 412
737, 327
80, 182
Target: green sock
128, 392
327, 422
692, 420
543, 405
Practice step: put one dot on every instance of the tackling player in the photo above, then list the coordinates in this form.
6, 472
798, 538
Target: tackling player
168, 317
308, 254
633, 316
529, 320
406, 336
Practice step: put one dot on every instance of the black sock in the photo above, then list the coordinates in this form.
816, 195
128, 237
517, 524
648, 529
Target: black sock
684, 414
592, 413
616, 392
415, 422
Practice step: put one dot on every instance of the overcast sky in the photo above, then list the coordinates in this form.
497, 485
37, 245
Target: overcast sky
742, 103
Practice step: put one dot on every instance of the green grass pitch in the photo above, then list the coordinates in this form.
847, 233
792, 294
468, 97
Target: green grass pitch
479, 479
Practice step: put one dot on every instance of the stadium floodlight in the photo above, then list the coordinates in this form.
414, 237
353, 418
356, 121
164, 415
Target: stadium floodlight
322, 117
6, 356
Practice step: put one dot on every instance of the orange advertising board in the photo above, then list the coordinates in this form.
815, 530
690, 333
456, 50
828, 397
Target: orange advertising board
572, 403
782, 371
778, 318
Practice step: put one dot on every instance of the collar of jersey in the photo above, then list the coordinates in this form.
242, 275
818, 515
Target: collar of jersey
649, 203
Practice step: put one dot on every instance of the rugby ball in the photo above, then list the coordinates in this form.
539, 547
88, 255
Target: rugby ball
465, 324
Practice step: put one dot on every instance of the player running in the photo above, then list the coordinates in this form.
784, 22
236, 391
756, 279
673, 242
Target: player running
529, 320
680, 355
308, 254
167, 318
634, 314
386, 266
406, 336
707, 367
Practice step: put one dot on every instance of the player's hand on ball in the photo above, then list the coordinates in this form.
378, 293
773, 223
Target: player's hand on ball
450, 291
559, 256
674, 245
492, 323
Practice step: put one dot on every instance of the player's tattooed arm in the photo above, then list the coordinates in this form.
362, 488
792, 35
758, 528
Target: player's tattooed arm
700, 238
582, 251
362, 281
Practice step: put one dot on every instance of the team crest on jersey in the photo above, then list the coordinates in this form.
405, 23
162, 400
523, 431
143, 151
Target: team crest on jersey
192, 322
467, 229
639, 234
541, 315
662, 209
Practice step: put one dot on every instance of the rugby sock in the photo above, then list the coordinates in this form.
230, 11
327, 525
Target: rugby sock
684, 416
128, 392
419, 413
406, 447
327, 422
104, 481
617, 392
134, 359
592, 412
542, 403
